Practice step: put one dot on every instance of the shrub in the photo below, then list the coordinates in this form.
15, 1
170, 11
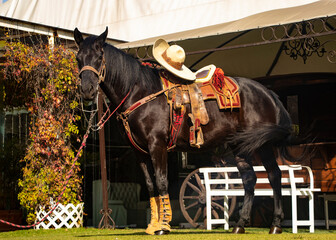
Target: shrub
45, 80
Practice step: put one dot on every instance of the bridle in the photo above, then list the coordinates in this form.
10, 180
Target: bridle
101, 72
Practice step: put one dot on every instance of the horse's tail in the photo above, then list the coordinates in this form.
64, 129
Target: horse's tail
285, 121
279, 135
248, 141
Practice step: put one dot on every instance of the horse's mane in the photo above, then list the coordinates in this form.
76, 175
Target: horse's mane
125, 68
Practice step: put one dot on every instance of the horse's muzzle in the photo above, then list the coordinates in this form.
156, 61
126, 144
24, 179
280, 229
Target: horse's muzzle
88, 93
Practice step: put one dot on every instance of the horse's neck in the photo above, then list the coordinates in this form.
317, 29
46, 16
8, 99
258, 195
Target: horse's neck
118, 84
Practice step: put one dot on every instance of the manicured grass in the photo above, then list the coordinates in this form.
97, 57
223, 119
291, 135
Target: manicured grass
178, 234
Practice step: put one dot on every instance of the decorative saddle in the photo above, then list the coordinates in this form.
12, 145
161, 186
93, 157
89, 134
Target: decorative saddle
211, 84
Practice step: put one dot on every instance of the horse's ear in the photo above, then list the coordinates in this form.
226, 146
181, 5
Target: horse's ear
99, 42
78, 36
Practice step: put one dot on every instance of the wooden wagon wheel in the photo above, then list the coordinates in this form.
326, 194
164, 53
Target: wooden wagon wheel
193, 201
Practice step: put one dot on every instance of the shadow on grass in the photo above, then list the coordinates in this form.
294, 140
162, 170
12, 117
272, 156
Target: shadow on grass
182, 232
174, 232
179, 232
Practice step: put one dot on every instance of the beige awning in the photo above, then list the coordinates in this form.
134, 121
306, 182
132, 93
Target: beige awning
244, 52
133, 20
313, 10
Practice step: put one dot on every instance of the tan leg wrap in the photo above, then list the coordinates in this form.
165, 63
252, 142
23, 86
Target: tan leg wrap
154, 225
165, 213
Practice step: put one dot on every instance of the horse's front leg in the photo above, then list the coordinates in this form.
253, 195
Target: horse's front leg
249, 180
147, 168
158, 152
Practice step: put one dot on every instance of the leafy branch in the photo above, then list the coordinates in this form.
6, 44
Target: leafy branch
45, 81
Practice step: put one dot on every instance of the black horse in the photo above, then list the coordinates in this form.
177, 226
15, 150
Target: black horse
255, 130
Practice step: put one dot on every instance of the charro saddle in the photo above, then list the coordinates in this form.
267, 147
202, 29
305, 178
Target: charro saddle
210, 84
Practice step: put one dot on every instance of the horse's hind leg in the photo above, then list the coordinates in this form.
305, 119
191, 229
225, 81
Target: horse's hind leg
249, 180
147, 168
274, 175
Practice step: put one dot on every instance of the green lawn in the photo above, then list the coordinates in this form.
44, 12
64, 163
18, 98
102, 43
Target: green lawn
178, 234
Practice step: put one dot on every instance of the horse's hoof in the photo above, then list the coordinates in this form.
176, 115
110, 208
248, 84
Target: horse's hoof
152, 228
275, 230
162, 232
237, 230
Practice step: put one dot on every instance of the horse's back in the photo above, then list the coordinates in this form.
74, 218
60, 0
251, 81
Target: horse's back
261, 105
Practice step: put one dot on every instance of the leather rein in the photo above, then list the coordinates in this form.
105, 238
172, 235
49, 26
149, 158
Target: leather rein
124, 115
101, 73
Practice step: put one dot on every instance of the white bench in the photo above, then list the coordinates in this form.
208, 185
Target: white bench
289, 188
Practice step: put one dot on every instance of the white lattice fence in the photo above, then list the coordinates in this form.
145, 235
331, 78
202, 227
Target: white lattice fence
68, 216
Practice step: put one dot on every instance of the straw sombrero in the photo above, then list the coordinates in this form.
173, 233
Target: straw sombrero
172, 58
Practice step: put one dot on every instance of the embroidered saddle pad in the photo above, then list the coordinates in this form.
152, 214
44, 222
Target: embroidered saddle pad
218, 86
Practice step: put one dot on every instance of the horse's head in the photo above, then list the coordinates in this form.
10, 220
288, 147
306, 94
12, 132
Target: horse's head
91, 62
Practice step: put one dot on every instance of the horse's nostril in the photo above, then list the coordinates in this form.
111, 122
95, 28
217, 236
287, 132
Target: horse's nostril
91, 88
